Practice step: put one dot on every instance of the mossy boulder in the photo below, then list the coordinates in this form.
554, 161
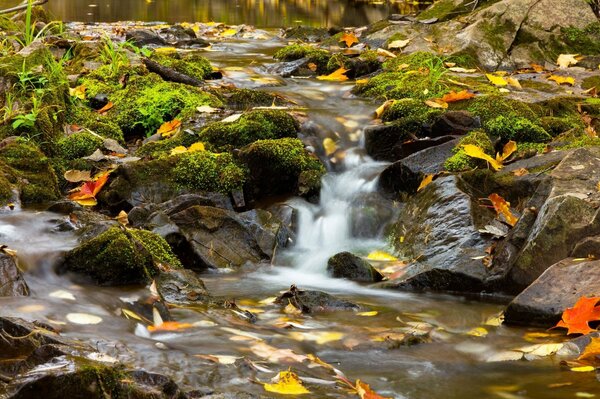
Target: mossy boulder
192, 64
460, 161
244, 99
491, 106
277, 166
517, 129
409, 108
78, 145
209, 172
315, 55
120, 256
250, 127
28, 169
103, 125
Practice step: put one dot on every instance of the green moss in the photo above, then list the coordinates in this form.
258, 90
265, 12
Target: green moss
461, 161
490, 106
538, 85
516, 128
207, 171
6, 192
413, 61
148, 101
102, 125
442, 10
30, 170
296, 51
121, 256
78, 145
409, 108
574, 138
161, 148
192, 64
252, 126
496, 32
556, 125
244, 99
592, 81
583, 41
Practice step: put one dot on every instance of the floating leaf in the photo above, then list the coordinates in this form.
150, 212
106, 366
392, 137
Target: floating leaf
398, 44
368, 314
562, 79
566, 60
83, 318
576, 319
170, 326
381, 255
338, 75
349, 38
78, 92
541, 350
288, 384
502, 207
476, 152
329, 146
168, 129
460, 96
496, 80
425, 182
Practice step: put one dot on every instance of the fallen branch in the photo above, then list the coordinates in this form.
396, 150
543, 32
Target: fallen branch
170, 74
23, 7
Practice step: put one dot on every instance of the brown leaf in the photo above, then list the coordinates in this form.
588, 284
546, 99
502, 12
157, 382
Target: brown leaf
502, 207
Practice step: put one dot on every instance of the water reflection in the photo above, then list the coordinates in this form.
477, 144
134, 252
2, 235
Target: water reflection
260, 13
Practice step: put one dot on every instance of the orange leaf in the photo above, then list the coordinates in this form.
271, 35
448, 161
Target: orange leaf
576, 319
349, 39
169, 128
591, 351
425, 182
337, 75
454, 96
503, 207
365, 391
104, 109
86, 193
170, 326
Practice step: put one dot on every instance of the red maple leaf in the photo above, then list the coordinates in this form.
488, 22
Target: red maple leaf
576, 319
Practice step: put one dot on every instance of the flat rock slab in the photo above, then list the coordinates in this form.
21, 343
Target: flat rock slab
558, 288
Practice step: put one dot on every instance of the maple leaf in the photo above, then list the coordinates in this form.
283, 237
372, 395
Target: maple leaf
576, 319
288, 384
454, 96
503, 207
338, 75
86, 194
365, 391
168, 129
349, 38
591, 351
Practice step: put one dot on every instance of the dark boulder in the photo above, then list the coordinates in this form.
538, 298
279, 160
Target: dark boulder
12, 282
454, 123
309, 301
398, 178
351, 267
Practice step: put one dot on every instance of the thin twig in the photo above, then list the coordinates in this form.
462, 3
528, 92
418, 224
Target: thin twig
23, 7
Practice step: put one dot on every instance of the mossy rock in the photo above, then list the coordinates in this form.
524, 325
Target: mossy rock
103, 125
315, 55
193, 65
583, 41
250, 127
6, 189
555, 125
516, 128
207, 171
275, 167
78, 145
120, 256
443, 10
412, 109
243, 99
592, 81
460, 161
107, 78
491, 106
26, 167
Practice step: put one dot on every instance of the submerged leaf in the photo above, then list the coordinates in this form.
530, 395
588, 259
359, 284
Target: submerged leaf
287, 384
338, 75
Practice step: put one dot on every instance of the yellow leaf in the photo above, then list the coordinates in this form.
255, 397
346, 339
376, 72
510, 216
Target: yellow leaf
513, 82
168, 129
291, 309
565, 60
562, 79
507, 150
131, 315
78, 92
381, 255
335, 76
86, 201
122, 218
476, 152
503, 207
398, 44
349, 38
288, 384
320, 337
583, 369
229, 32
496, 80
368, 314
592, 350
385, 53
478, 332
178, 150
329, 146
426, 180
199, 146
362, 81
381, 109
436, 103
165, 50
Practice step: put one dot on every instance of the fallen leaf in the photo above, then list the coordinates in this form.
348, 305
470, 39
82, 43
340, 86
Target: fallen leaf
122, 218
349, 38
502, 207
520, 172
460, 96
196, 147
365, 391
462, 70
537, 68
131, 315
165, 50
312, 66
541, 350
478, 332
436, 103
398, 44
591, 351
232, 118
382, 108
425, 182
178, 150
275, 355
78, 92
222, 359
385, 53
291, 309
320, 337
576, 319
105, 109
86, 194
507, 150
288, 383
513, 82
229, 32
206, 109
83, 318
566, 60
329, 146
168, 129
562, 79
75, 176
381, 255
476, 152
338, 75
583, 369
496, 80
170, 326
368, 314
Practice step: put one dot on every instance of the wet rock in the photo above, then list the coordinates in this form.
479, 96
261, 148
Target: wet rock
306, 34
12, 282
411, 147
454, 123
398, 178
589, 247
144, 37
297, 67
358, 66
313, 301
351, 267
381, 140
431, 159
370, 215
438, 228
181, 286
120, 256
558, 288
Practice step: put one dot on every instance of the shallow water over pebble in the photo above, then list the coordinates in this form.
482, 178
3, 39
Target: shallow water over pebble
452, 366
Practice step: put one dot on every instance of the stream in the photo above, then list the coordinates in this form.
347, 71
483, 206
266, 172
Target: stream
453, 365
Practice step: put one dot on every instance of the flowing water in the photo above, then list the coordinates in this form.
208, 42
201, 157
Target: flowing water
452, 366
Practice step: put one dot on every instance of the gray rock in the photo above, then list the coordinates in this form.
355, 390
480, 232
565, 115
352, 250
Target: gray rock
431, 160
12, 282
351, 267
297, 67
558, 288
309, 301
589, 247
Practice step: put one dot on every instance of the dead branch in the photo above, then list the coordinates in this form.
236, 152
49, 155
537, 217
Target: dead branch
22, 7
